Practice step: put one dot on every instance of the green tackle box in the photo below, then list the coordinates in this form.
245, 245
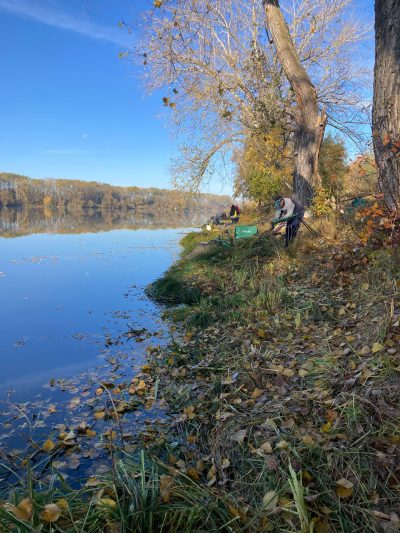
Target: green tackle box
242, 232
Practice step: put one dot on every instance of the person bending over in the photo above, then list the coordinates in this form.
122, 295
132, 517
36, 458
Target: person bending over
288, 211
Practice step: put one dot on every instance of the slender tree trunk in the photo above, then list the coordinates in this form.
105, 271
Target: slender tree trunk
310, 124
386, 108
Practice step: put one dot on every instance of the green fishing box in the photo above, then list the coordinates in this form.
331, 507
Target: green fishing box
242, 232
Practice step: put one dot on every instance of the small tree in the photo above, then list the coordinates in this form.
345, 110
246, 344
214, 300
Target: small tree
361, 177
332, 165
264, 166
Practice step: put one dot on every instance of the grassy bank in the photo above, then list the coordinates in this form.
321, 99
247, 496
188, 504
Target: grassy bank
285, 387
282, 388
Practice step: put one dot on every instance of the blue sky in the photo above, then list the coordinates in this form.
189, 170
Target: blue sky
69, 107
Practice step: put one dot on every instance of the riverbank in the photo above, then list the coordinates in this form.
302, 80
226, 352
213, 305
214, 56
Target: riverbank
286, 385
282, 394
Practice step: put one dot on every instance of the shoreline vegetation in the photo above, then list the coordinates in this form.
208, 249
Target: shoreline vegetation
281, 384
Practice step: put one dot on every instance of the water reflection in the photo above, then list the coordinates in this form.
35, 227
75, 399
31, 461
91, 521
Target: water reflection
74, 316
16, 222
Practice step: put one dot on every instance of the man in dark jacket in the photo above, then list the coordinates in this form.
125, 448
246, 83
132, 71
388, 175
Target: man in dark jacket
288, 211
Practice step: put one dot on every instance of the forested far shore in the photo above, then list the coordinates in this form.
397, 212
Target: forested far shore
22, 191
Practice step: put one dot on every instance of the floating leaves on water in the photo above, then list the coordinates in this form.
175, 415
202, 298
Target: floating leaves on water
48, 446
59, 465
69, 439
73, 404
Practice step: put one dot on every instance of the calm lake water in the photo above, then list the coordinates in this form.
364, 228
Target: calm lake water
68, 301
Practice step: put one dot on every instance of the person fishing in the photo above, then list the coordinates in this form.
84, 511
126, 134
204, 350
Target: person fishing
234, 214
288, 211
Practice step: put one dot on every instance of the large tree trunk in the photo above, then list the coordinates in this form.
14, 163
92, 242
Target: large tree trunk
310, 124
386, 109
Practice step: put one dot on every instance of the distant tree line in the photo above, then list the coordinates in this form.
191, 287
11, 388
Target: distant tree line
71, 195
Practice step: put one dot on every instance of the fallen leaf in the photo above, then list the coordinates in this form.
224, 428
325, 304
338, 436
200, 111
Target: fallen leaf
24, 509
69, 439
141, 385
344, 488
365, 350
282, 445
189, 412
107, 502
59, 465
239, 436
308, 440
92, 482
48, 446
288, 372
211, 475
165, 488
326, 427
192, 472
261, 334
270, 500
266, 447
62, 504
376, 347
51, 513
257, 393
